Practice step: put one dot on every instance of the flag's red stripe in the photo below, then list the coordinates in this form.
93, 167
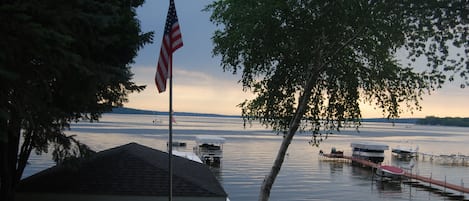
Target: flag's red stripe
172, 40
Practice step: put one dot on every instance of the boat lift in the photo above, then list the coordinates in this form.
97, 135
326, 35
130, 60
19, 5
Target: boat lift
209, 149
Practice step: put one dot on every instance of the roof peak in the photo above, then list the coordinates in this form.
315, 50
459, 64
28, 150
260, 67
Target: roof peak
129, 169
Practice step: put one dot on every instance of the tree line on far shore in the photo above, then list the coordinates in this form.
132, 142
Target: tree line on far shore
444, 121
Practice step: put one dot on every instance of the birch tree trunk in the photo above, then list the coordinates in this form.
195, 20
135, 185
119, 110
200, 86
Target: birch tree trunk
269, 180
294, 124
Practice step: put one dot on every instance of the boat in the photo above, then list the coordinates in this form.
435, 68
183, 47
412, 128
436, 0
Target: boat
177, 144
404, 152
390, 173
334, 153
209, 149
371, 151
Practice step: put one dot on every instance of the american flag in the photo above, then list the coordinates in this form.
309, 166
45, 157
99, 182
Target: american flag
172, 40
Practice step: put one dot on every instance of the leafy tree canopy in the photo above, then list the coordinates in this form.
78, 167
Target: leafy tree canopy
348, 49
311, 63
61, 61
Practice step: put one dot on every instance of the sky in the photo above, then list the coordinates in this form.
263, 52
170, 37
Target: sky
200, 84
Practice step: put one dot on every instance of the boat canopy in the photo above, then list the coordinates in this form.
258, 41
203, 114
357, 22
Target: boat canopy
189, 155
400, 149
369, 145
207, 139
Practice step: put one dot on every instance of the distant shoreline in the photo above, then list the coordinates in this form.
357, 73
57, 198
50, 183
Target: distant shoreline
447, 121
125, 110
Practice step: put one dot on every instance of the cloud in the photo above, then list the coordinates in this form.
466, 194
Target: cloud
196, 91
201, 86
449, 101
193, 91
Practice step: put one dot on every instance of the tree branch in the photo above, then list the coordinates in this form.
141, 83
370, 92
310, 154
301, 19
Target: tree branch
294, 124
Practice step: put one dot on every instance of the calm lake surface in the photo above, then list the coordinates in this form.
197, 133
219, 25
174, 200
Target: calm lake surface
250, 152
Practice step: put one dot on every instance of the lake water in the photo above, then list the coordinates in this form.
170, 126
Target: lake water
249, 154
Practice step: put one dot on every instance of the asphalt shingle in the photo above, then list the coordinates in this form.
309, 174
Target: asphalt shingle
130, 169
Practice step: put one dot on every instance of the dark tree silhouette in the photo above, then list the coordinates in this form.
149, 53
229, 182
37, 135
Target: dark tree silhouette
60, 61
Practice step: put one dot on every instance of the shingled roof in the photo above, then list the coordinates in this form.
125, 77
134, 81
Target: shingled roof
130, 169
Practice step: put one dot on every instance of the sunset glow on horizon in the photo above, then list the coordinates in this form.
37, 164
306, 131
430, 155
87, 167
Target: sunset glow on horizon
201, 86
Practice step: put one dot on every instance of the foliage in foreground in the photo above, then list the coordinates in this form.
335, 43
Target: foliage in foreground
316, 61
60, 61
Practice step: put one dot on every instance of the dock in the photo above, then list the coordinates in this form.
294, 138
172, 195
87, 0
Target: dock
428, 180
448, 159
431, 181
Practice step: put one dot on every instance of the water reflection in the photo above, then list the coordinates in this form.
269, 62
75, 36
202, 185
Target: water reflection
387, 187
444, 194
364, 173
249, 153
336, 167
217, 171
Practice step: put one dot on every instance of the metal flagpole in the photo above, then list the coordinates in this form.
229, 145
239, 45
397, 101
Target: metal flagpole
172, 40
170, 143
